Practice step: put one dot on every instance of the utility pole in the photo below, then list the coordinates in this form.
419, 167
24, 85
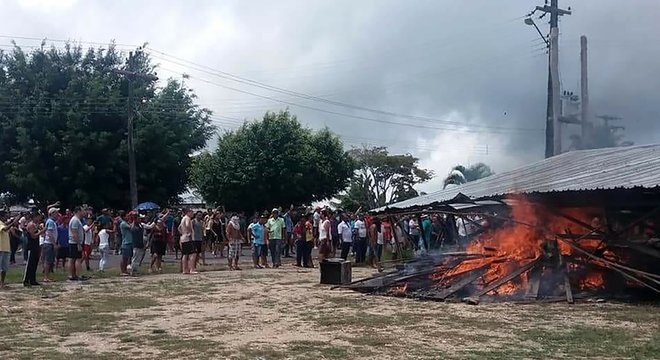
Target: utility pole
553, 126
584, 93
556, 100
132, 168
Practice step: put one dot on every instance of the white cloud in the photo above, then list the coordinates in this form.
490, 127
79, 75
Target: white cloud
451, 148
46, 5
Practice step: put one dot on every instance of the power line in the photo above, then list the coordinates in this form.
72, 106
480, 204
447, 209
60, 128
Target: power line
357, 116
258, 84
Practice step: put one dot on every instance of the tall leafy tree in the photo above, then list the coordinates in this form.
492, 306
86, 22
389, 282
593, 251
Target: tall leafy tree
460, 174
274, 161
382, 178
63, 127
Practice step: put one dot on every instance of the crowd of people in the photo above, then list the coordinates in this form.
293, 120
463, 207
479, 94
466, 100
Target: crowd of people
65, 239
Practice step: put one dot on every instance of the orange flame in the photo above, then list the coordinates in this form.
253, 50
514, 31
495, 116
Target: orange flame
509, 247
399, 290
593, 280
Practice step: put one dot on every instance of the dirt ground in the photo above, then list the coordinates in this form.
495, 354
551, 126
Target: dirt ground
286, 314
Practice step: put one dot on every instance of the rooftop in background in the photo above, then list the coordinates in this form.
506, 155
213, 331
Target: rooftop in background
584, 170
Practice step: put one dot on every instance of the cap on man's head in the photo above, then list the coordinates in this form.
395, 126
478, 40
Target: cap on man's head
276, 210
51, 211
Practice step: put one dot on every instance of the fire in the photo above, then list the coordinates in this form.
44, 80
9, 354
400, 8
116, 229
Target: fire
399, 290
517, 241
535, 239
593, 280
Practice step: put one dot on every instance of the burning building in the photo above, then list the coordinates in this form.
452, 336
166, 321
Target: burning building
583, 224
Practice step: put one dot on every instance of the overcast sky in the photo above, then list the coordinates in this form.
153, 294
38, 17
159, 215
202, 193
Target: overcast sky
472, 69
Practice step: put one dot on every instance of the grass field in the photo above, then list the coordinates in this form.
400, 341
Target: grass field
286, 314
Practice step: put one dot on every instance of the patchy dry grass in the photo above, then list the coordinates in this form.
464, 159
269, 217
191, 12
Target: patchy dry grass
285, 314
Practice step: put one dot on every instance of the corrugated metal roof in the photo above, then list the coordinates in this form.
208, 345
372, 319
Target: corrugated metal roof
609, 168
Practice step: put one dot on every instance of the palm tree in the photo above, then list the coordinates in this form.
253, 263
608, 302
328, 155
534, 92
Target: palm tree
460, 174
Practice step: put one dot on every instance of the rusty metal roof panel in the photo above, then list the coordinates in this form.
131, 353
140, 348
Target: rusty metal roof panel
584, 170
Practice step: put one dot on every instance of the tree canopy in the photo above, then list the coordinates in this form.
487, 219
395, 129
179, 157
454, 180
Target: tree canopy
460, 174
382, 179
274, 161
63, 126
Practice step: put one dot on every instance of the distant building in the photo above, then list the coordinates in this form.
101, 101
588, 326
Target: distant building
191, 199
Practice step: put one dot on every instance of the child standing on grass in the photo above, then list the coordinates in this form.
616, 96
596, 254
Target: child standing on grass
104, 245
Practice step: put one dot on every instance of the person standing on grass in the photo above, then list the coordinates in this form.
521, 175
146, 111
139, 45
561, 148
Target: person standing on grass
376, 241
198, 240
316, 221
235, 240
5, 248
168, 220
288, 241
14, 242
335, 237
299, 238
158, 246
324, 237
34, 231
310, 242
256, 231
88, 241
346, 233
125, 227
62, 242
50, 243
104, 245
116, 223
187, 247
361, 241
137, 233
217, 228
276, 234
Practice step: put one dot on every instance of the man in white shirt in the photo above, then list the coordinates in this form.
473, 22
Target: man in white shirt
187, 247
50, 242
346, 233
76, 238
361, 241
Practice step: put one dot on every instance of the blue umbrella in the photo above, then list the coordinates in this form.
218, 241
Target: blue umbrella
147, 206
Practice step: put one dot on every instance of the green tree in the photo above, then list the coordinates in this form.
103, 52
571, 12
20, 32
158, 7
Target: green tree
272, 162
460, 174
63, 116
382, 179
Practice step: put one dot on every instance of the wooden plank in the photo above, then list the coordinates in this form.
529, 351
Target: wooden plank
503, 280
567, 286
468, 279
534, 285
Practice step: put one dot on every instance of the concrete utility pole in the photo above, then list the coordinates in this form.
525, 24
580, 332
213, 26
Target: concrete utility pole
553, 129
556, 100
584, 93
132, 168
